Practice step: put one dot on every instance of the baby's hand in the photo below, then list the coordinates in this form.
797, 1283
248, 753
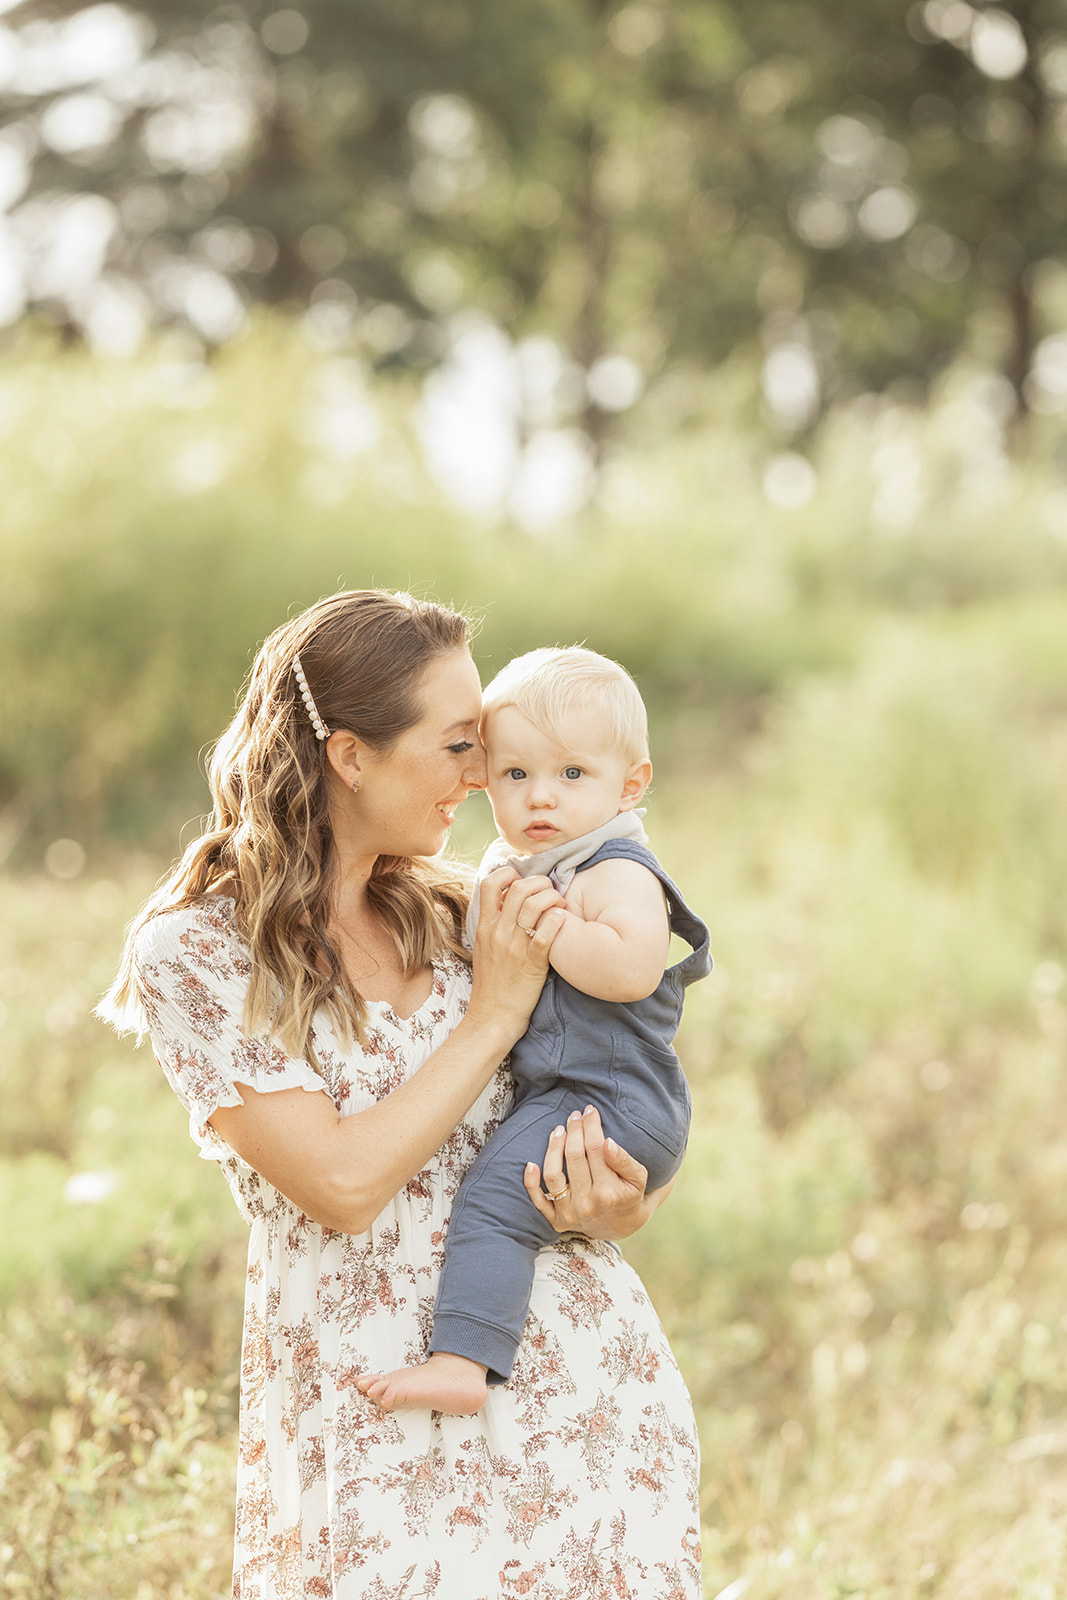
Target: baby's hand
527, 899
548, 897
540, 882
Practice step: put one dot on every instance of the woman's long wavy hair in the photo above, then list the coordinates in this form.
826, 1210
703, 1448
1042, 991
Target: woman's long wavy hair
270, 844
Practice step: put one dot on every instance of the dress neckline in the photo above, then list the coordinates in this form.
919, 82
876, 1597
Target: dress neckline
384, 1005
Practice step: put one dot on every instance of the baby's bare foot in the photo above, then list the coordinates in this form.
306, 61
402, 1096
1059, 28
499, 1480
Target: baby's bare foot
444, 1382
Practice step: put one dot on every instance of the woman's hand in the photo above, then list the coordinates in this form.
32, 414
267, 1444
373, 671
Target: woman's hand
518, 918
601, 1188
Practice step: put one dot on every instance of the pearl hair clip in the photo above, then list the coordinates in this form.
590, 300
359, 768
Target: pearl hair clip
321, 730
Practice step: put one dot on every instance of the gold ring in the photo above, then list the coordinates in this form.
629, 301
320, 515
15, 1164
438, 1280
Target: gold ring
563, 1193
529, 932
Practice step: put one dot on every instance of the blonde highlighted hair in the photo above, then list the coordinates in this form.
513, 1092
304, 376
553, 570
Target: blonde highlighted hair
270, 844
550, 685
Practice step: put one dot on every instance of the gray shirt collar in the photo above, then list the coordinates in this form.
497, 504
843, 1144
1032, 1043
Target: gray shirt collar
560, 862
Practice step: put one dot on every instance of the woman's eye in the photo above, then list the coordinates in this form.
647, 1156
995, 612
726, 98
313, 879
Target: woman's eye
572, 772
461, 748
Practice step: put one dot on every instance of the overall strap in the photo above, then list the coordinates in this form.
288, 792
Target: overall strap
683, 921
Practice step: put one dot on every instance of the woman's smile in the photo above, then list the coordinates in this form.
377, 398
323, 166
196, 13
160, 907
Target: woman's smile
395, 811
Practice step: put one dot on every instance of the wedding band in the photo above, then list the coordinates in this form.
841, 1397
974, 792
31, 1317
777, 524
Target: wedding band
563, 1193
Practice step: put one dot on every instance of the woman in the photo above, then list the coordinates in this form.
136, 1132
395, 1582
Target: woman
308, 996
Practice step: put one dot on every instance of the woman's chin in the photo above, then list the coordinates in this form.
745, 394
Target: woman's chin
429, 843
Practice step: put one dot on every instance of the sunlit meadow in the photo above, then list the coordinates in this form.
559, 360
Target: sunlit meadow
857, 672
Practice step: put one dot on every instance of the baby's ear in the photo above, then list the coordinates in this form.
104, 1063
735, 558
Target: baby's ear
637, 781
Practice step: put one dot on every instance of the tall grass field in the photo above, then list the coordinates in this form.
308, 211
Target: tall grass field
859, 719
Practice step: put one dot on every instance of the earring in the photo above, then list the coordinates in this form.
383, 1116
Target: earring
355, 785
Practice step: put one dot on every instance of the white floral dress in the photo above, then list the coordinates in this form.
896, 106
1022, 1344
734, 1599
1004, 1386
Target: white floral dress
579, 1477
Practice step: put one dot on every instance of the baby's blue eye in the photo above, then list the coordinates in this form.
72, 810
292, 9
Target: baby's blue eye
516, 773
572, 772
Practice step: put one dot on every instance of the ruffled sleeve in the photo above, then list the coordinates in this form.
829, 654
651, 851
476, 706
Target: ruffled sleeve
192, 974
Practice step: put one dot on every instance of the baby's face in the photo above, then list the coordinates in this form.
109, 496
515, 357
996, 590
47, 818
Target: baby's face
544, 793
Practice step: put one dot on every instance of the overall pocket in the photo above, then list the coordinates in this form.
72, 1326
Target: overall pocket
651, 1091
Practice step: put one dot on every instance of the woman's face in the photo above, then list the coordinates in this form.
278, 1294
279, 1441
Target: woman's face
408, 795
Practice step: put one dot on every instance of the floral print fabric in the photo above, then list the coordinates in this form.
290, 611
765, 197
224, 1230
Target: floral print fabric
577, 1480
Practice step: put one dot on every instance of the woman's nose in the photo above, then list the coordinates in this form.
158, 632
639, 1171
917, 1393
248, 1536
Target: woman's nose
477, 774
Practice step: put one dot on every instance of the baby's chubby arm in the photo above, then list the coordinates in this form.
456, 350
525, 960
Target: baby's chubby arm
615, 938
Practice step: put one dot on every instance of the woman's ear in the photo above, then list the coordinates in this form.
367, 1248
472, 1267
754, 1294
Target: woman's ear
637, 781
345, 754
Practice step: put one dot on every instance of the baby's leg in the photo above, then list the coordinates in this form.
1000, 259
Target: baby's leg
493, 1238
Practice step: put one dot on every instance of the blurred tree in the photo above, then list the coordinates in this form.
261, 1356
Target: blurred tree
648, 183
929, 189
539, 162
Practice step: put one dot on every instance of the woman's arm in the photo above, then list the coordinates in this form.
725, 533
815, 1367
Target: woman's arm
341, 1171
606, 1197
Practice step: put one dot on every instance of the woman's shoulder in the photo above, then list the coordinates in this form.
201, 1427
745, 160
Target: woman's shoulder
200, 934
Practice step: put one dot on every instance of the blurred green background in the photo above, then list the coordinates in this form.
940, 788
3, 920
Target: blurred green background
731, 341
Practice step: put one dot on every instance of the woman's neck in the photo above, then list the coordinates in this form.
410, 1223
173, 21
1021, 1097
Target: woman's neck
352, 874
353, 863
368, 947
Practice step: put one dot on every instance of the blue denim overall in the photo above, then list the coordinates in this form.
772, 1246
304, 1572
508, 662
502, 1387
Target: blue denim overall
577, 1051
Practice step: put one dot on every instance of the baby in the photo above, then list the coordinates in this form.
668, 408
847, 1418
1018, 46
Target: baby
566, 738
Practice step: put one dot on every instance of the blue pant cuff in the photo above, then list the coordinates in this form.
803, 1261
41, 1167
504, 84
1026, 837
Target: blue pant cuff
462, 1335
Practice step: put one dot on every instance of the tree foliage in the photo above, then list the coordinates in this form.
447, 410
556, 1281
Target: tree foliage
863, 186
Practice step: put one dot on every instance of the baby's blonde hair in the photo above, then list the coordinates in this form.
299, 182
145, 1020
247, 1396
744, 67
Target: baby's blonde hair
549, 685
